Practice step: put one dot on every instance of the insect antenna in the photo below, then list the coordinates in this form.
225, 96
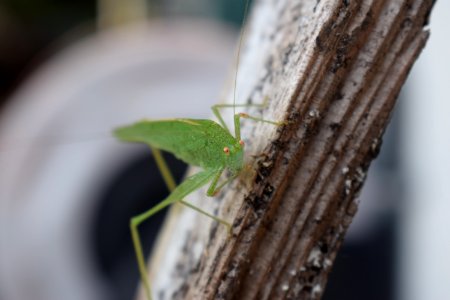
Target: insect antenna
244, 19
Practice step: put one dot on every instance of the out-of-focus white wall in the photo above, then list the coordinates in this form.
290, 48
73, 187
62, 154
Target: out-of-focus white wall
424, 235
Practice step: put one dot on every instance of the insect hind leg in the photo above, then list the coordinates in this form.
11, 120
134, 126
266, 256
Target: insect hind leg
189, 185
134, 223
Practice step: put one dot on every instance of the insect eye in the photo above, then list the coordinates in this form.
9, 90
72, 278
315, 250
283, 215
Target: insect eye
226, 150
241, 142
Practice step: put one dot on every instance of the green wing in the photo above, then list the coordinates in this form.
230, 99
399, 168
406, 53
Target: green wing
197, 142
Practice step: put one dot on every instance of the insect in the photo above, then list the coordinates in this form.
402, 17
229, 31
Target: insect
199, 142
202, 143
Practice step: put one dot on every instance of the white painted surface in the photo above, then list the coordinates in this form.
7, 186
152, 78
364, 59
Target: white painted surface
424, 234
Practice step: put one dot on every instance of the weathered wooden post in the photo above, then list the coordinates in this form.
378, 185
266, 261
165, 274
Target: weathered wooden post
331, 69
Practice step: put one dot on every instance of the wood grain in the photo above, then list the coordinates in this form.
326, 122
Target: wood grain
332, 70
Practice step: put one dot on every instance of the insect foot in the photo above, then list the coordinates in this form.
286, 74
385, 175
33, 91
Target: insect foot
229, 230
265, 102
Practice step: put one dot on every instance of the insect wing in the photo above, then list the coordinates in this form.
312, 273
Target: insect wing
197, 142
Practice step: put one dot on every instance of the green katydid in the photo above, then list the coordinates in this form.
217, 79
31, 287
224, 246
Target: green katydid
202, 143
197, 142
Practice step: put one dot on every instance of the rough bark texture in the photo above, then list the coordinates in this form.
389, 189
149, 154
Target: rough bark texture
332, 70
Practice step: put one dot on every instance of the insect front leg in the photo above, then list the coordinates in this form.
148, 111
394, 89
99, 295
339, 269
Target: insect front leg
212, 191
215, 187
237, 122
215, 108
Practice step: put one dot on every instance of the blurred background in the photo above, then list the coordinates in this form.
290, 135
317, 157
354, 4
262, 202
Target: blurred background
70, 72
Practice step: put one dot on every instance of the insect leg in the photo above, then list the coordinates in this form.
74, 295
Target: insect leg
134, 223
215, 108
170, 182
237, 122
216, 112
247, 116
227, 181
227, 224
186, 187
212, 187
163, 168
237, 125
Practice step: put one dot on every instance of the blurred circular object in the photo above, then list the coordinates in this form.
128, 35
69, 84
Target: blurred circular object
57, 153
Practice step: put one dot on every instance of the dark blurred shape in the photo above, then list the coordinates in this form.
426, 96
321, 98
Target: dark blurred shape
232, 11
365, 269
27, 28
132, 191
